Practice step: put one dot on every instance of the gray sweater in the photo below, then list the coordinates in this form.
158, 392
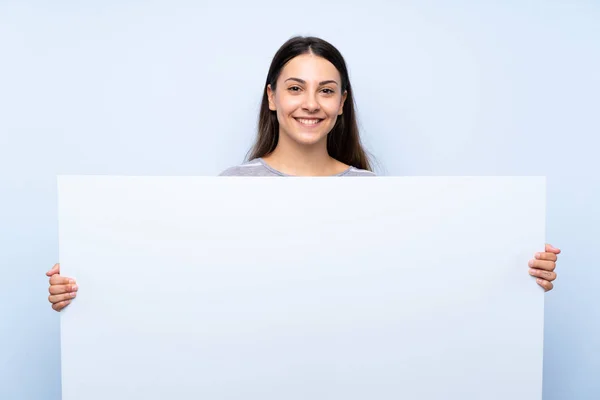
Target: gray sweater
258, 167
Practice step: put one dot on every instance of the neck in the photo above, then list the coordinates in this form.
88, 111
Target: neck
292, 158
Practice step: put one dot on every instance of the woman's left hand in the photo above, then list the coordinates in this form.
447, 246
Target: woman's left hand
543, 265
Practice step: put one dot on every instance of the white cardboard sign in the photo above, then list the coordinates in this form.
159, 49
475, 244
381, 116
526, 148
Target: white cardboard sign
301, 288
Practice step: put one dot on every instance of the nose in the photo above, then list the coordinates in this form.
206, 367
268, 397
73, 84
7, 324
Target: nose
311, 104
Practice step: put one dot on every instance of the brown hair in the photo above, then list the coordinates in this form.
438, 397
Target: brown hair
343, 141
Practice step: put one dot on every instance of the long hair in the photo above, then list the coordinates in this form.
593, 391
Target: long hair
343, 141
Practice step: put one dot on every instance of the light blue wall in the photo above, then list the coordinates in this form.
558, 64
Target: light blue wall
172, 87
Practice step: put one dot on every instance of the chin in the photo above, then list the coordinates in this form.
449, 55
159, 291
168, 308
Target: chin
309, 139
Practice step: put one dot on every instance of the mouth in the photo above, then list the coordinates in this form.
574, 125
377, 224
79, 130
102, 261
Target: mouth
309, 122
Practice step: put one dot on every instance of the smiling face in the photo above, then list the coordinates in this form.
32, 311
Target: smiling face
308, 99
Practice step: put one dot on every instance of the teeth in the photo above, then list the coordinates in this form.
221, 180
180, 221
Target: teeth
309, 121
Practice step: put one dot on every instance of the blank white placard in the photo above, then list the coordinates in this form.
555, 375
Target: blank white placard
301, 288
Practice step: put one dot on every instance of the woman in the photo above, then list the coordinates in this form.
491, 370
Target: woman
307, 127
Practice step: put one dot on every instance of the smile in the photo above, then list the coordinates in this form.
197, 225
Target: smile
309, 121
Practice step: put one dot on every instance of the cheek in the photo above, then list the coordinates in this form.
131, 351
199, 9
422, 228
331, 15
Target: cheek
332, 108
287, 104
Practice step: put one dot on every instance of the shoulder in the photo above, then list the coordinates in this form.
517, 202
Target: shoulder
353, 171
249, 168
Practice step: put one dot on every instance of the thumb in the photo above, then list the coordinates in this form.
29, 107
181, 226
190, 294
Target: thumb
552, 249
55, 270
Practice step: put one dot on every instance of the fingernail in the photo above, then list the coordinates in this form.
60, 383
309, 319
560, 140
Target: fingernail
71, 281
74, 288
539, 281
537, 255
73, 294
531, 263
531, 271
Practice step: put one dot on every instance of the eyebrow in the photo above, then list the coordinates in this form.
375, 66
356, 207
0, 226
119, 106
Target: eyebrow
304, 82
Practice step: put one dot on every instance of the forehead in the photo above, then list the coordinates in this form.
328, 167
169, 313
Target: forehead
310, 67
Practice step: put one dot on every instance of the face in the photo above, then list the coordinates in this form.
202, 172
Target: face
308, 99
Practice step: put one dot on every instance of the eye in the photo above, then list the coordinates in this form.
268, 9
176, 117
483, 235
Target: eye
328, 91
294, 89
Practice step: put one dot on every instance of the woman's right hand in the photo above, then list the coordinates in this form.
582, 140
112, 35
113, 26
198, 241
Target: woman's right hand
62, 289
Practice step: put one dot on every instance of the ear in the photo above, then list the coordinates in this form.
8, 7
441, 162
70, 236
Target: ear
344, 96
271, 97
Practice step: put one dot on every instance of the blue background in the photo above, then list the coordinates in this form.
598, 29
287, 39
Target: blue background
173, 88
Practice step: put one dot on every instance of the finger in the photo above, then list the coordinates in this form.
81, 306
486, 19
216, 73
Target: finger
546, 275
57, 298
60, 280
59, 306
60, 289
55, 270
546, 256
552, 249
545, 284
540, 264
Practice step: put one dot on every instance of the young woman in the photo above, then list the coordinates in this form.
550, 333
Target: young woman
307, 127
